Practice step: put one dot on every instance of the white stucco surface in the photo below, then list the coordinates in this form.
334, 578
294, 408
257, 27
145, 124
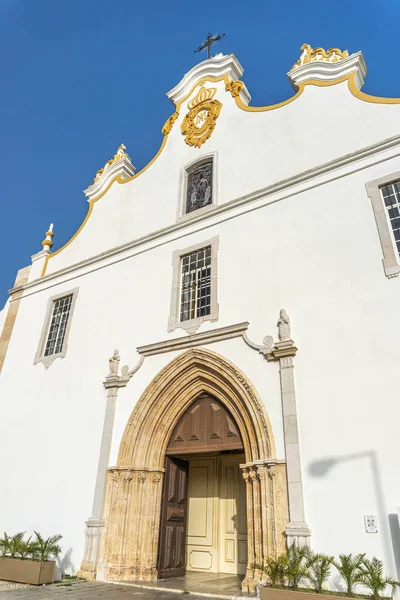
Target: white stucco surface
3, 315
312, 248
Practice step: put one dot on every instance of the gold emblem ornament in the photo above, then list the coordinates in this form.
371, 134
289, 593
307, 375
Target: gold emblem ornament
169, 123
200, 121
312, 55
234, 87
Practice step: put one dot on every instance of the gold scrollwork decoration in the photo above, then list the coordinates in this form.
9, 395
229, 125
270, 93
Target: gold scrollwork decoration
234, 87
169, 123
120, 153
309, 54
200, 121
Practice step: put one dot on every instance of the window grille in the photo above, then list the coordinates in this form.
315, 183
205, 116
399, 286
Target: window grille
391, 197
196, 284
199, 186
59, 320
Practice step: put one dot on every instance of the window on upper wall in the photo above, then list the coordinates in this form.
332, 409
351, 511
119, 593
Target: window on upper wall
391, 198
59, 320
385, 198
194, 286
55, 331
199, 185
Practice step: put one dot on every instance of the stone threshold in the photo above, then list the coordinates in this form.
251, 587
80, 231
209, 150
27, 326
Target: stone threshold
185, 593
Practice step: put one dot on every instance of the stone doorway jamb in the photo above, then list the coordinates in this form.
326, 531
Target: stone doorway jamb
95, 523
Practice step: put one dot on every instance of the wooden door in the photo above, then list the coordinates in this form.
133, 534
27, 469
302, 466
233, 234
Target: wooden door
201, 536
171, 548
232, 517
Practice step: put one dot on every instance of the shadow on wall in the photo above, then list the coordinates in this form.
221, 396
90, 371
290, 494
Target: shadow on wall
321, 467
395, 533
64, 565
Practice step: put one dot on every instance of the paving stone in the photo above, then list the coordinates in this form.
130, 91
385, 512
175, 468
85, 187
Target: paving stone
88, 591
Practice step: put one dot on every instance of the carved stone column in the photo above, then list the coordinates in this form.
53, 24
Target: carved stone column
258, 532
265, 518
95, 523
297, 531
133, 503
248, 580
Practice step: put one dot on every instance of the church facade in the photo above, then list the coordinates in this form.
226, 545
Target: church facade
206, 372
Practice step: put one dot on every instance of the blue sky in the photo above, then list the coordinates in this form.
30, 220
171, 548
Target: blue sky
81, 76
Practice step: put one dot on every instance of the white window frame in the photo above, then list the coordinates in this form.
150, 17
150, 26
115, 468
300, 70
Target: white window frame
192, 325
182, 187
39, 356
391, 259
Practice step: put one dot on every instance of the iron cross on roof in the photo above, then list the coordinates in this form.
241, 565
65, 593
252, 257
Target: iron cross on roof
208, 42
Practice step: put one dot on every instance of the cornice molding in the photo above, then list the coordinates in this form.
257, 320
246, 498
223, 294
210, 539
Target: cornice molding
218, 66
264, 193
122, 168
330, 71
194, 339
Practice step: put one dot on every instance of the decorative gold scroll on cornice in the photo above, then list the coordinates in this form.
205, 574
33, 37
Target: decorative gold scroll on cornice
234, 87
200, 121
354, 90
117, 156
169, 123
319, 54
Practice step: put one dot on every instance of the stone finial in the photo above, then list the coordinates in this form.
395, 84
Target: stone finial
114, 363
48, 242
283, 326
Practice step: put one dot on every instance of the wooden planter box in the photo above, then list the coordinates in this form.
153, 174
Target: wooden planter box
27, 571
270, 593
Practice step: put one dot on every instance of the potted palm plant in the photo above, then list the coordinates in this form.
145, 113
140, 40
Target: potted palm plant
373, 577
349, 568
28, 561
289, 573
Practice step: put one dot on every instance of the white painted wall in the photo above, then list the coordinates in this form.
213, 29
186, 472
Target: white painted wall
315, 252
3, 314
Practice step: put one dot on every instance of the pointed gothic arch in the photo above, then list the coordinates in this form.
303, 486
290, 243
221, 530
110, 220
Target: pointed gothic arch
133, 497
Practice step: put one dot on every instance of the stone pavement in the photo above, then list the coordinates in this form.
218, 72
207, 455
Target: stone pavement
194, 586
87, 590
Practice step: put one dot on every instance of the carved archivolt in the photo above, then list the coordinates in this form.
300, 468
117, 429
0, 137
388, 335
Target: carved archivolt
173, 390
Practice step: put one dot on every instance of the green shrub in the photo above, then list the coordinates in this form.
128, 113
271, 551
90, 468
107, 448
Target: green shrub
319, 568
275, 568
39, 549
43, 549
296, 565
349, 568
373, 578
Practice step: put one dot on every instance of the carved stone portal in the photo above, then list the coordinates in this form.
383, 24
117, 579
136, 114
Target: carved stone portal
134, 486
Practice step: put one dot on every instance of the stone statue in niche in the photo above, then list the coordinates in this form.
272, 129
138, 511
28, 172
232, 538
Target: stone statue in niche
283, 326
114, 363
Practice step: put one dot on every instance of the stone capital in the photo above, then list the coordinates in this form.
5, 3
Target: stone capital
281, 350
115, 381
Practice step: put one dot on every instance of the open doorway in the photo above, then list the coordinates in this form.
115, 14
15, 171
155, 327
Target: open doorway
203, 526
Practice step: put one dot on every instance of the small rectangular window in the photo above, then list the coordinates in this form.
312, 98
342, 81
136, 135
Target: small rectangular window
196, 284
391, 198
59, 320
199, 190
